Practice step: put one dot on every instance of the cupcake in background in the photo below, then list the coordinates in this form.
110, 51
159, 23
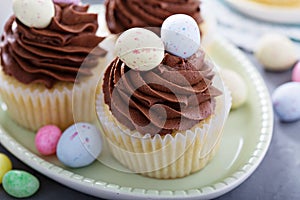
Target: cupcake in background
43, 47
160, 103
122, 15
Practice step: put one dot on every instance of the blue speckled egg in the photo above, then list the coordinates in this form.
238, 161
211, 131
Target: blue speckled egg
286, 101
79, 145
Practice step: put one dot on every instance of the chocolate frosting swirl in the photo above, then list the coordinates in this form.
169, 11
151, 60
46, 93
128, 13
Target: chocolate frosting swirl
175, 95
54, 53
125, 14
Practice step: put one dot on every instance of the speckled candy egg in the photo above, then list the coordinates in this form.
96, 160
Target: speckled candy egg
286, 101
20, 184
276, 52
140, 49
67, 1
46, 139
5, 165
236, 85
296, 73
79, 145
181, 36
34, 13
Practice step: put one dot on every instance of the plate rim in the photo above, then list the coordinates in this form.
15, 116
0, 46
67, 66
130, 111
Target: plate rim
288, 14
107, 190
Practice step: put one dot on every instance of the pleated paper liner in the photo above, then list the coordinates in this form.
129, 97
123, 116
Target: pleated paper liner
33, 105
170, 156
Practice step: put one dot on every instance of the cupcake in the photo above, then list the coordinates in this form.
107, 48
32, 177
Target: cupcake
122, 15
45, 48
162, 109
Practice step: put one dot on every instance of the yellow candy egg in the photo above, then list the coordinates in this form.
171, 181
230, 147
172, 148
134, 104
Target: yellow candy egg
5, 165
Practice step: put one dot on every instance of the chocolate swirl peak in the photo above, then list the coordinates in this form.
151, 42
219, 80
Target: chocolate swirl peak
54, 53
125, 14
175, 95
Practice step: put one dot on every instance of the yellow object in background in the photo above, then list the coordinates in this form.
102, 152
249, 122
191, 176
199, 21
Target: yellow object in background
280, 2
5, 165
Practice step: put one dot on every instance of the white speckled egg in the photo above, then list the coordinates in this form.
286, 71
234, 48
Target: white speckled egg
34, 13
236, 85
79, 145
140, 49
181, 36
286, 101
276, 52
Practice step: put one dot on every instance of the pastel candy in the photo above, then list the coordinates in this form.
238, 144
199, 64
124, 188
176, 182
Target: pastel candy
34, 13
46, 139
67, 1
276, 52
286, 101
79, 145
140, 49
181, 36
5, 165
296, 73
237, 87
20, 184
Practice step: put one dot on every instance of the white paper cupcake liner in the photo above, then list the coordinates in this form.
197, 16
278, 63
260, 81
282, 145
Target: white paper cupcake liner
33, 105
169, 156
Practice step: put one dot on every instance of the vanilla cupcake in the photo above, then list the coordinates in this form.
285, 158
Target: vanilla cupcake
41, 62
162, 112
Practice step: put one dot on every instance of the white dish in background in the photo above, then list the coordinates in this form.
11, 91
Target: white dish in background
287, 15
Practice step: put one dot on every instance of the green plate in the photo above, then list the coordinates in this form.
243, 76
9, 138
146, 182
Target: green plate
246, 138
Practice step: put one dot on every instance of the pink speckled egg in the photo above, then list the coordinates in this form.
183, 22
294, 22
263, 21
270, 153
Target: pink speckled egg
67, 1
46, 139
296, 73
181, 35
34, 13
140, 49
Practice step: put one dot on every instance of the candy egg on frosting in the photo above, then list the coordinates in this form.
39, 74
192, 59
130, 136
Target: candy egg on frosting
79, 145
181, 36
34, 13
67, 1
286, 101
140, 49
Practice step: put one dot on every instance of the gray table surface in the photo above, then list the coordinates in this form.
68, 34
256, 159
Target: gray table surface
277, 177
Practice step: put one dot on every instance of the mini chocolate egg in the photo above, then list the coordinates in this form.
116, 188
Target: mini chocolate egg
5, 165
46, 139
276, 52
286, 101
20, 184
34, 13
140, 49
237, 87
296, 73
181, 36
79, 145
67, 1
